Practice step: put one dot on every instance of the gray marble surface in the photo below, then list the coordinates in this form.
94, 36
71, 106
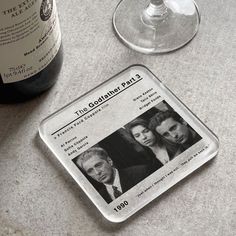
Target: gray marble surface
38, 197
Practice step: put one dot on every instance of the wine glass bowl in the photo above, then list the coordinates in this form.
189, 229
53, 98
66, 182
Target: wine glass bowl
156, 26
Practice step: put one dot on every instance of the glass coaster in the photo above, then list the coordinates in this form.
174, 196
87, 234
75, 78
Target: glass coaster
127, 141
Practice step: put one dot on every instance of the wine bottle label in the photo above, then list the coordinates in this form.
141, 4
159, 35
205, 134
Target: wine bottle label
30, 37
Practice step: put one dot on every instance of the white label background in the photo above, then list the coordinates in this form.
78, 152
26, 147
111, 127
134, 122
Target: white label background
27, 43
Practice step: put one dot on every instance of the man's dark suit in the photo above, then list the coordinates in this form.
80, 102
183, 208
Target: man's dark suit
129, 177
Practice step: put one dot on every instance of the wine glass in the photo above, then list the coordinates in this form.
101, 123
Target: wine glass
156, 26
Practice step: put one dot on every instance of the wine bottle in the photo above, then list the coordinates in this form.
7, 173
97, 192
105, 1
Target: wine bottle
30, 48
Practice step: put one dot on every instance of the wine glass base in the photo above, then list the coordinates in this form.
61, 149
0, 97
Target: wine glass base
161, 34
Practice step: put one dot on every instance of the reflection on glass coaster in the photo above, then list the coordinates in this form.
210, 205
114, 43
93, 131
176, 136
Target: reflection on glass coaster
127, 141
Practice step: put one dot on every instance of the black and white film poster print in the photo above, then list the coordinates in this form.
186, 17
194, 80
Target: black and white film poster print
133, 152
128, 141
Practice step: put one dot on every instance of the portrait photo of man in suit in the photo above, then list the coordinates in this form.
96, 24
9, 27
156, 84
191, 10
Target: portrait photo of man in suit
96, 163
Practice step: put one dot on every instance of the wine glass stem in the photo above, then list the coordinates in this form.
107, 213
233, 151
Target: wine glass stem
156, 2
156, 8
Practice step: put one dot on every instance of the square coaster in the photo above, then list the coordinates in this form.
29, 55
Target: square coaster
127, 141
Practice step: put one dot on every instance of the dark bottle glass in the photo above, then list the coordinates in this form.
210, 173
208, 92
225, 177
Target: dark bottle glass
26, 89
30, 48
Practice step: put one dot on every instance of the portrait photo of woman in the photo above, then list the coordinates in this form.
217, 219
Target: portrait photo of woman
141, 133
